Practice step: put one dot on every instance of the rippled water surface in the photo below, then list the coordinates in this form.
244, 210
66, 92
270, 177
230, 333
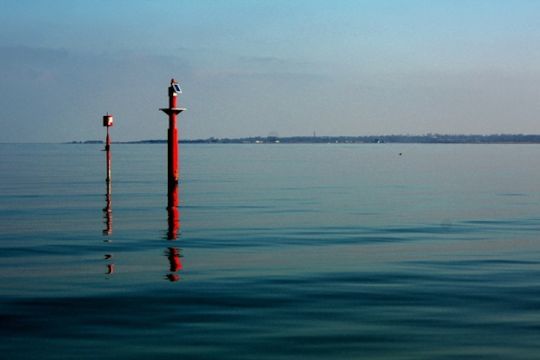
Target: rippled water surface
282, 252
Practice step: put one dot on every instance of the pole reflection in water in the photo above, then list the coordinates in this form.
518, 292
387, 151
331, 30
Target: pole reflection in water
173, 220
173, 254
108, 226
107, 210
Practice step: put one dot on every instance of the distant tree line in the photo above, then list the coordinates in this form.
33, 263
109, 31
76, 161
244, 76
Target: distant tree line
371, 139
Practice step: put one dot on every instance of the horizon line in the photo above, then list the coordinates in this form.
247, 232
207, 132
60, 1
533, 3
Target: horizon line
427, 135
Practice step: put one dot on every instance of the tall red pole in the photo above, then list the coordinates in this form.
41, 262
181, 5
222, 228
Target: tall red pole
173, 178
173, 174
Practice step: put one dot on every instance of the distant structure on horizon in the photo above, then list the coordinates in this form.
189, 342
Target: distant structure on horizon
368, 139
379, 139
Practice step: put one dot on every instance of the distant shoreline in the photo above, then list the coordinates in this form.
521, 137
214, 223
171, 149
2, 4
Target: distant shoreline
372, 139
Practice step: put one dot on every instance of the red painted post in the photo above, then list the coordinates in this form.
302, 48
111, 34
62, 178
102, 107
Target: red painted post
173, 174
108, 149
108, 122
173, 178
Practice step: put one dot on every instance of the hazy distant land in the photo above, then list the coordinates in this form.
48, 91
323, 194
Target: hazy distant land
372, 139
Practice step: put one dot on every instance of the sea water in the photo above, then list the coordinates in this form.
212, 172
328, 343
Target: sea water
334, 251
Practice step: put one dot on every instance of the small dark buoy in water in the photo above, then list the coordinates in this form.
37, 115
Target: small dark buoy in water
400, 154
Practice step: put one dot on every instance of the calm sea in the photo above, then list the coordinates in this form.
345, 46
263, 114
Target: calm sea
282, 252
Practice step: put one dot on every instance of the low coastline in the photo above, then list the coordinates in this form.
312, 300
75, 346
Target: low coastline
370, 139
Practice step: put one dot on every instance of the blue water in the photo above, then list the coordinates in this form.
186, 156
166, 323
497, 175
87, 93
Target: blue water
283, 252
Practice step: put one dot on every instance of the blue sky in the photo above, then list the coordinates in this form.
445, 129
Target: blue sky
257, 67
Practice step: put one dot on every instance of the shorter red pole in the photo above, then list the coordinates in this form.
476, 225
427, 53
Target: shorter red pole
108, 122
108, 150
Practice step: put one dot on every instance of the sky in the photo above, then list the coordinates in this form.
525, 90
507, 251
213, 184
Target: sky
260, 67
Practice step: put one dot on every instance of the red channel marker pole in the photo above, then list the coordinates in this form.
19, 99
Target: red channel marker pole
172, 137
108, 122
173, 174
108, 149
